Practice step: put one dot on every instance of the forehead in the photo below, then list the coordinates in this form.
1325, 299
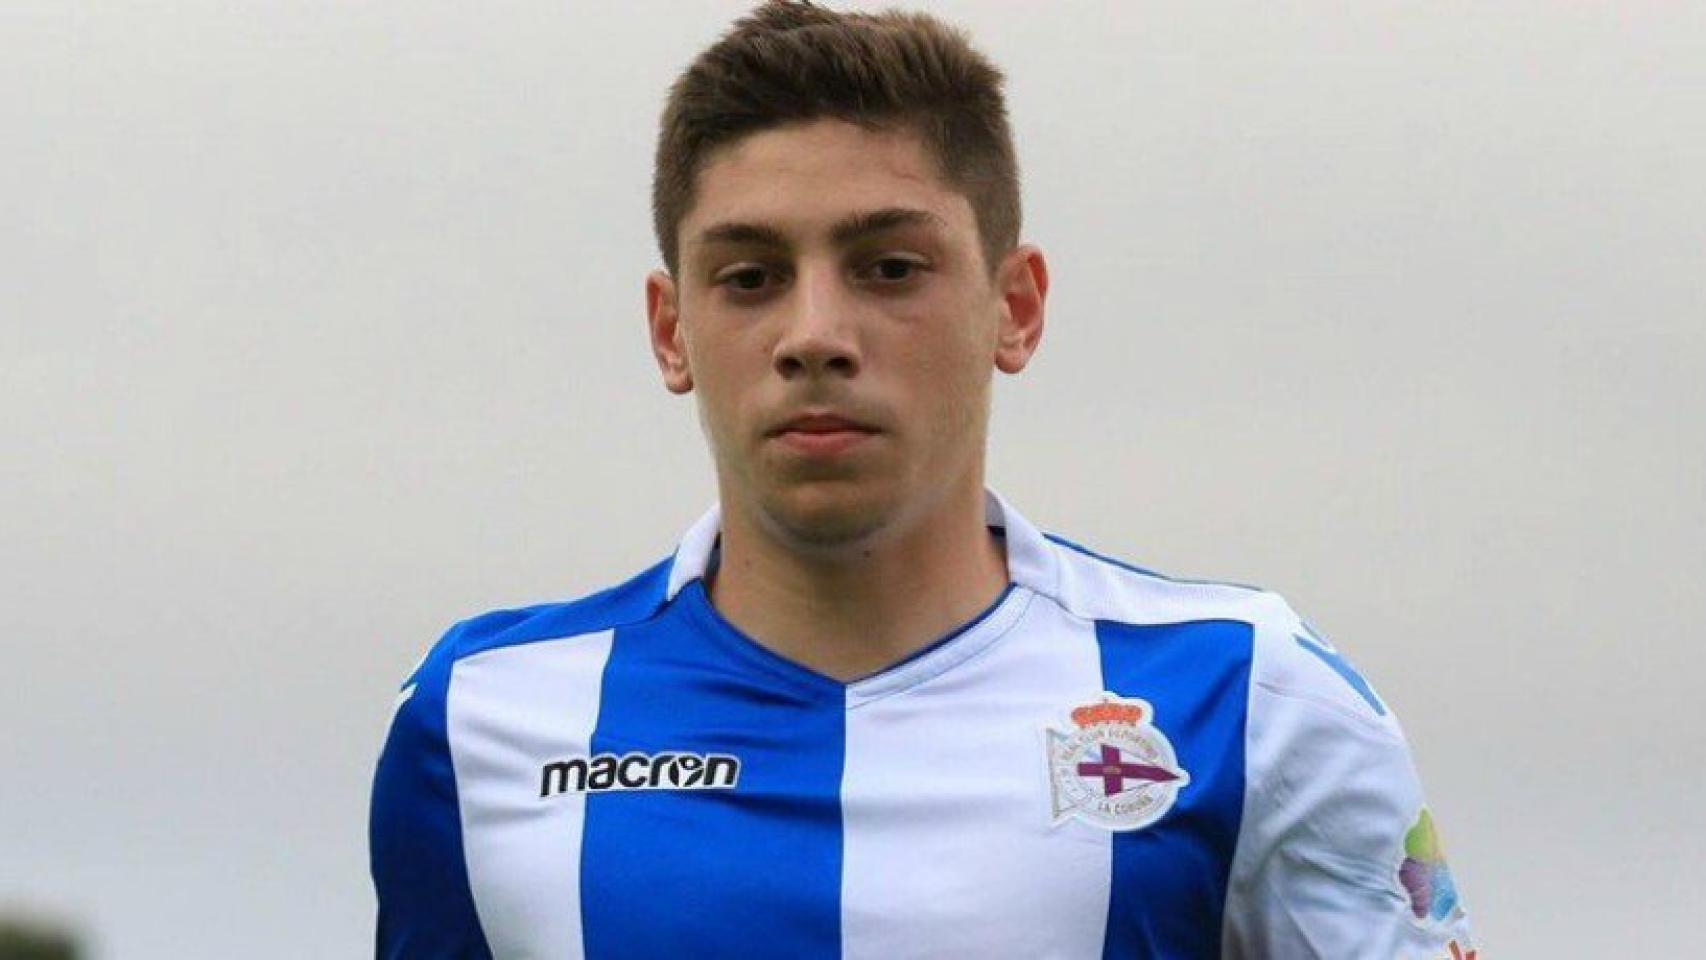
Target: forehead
803, 177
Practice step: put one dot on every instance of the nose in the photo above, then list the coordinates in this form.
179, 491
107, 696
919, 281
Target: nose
818, 337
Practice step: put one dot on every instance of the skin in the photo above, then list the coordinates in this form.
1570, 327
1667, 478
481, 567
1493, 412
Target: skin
828, 270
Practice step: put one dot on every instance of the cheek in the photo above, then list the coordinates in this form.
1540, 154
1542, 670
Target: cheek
719, 399
729, 372
950, 375
958, 354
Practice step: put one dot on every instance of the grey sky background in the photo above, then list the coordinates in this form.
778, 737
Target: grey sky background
320, 327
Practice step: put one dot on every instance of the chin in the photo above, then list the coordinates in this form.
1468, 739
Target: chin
827, 514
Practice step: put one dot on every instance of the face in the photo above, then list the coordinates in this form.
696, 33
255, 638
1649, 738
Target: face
835, 316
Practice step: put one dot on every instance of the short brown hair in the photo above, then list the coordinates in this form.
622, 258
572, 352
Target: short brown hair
790, 61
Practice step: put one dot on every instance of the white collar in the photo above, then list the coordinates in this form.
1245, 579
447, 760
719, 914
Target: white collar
1031, 560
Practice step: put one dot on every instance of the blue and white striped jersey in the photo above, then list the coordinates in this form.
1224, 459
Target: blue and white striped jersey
1105, 763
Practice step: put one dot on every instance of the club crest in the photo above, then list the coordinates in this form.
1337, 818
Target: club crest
1114, 769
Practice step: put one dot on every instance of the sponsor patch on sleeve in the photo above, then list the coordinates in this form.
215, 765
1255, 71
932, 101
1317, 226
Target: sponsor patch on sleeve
1424, 876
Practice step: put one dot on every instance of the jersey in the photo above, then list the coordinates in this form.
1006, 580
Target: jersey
1104, 763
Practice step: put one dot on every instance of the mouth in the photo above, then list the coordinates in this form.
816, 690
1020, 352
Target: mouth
822, 434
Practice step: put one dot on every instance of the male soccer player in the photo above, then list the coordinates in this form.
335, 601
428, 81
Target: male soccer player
866, 709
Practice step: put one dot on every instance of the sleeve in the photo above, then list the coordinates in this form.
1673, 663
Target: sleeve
426, 909
1338, 855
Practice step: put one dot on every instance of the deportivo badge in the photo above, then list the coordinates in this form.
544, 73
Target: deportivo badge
1115, 770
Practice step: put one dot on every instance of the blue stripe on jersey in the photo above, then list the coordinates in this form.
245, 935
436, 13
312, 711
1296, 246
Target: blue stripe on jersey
1169, 879
425, 907
752, 872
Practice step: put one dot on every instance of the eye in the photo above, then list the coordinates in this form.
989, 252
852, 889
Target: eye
892, 270
747, 278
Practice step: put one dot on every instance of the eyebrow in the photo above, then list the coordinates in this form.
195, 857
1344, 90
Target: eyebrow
845, 231
861, 225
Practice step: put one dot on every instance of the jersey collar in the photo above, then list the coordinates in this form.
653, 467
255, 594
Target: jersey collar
1031, 561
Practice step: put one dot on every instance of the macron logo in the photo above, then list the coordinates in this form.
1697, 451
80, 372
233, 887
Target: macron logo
640, 771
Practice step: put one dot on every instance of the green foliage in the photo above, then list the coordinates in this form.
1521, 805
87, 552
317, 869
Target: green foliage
30, 941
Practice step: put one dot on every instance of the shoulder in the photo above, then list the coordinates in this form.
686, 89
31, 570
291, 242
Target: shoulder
1288, 658
415, 828
632, 601
1096, 586
1331, 795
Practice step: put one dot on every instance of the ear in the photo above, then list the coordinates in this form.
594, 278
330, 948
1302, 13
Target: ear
663, 321
1022, 283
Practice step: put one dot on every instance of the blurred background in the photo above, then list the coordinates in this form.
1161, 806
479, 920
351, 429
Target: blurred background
320, 327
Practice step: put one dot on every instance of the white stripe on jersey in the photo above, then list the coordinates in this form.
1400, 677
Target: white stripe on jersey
508, 708
964, 849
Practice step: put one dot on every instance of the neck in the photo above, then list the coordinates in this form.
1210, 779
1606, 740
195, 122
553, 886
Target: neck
852, 611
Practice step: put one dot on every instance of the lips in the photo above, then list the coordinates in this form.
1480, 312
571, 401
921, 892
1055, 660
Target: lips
822, 433
822, 423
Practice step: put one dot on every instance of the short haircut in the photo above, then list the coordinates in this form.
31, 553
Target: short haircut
789, 61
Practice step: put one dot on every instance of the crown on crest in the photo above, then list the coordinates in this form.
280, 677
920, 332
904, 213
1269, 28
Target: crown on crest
1108, 711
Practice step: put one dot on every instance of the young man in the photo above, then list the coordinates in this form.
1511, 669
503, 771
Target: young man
866, 709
